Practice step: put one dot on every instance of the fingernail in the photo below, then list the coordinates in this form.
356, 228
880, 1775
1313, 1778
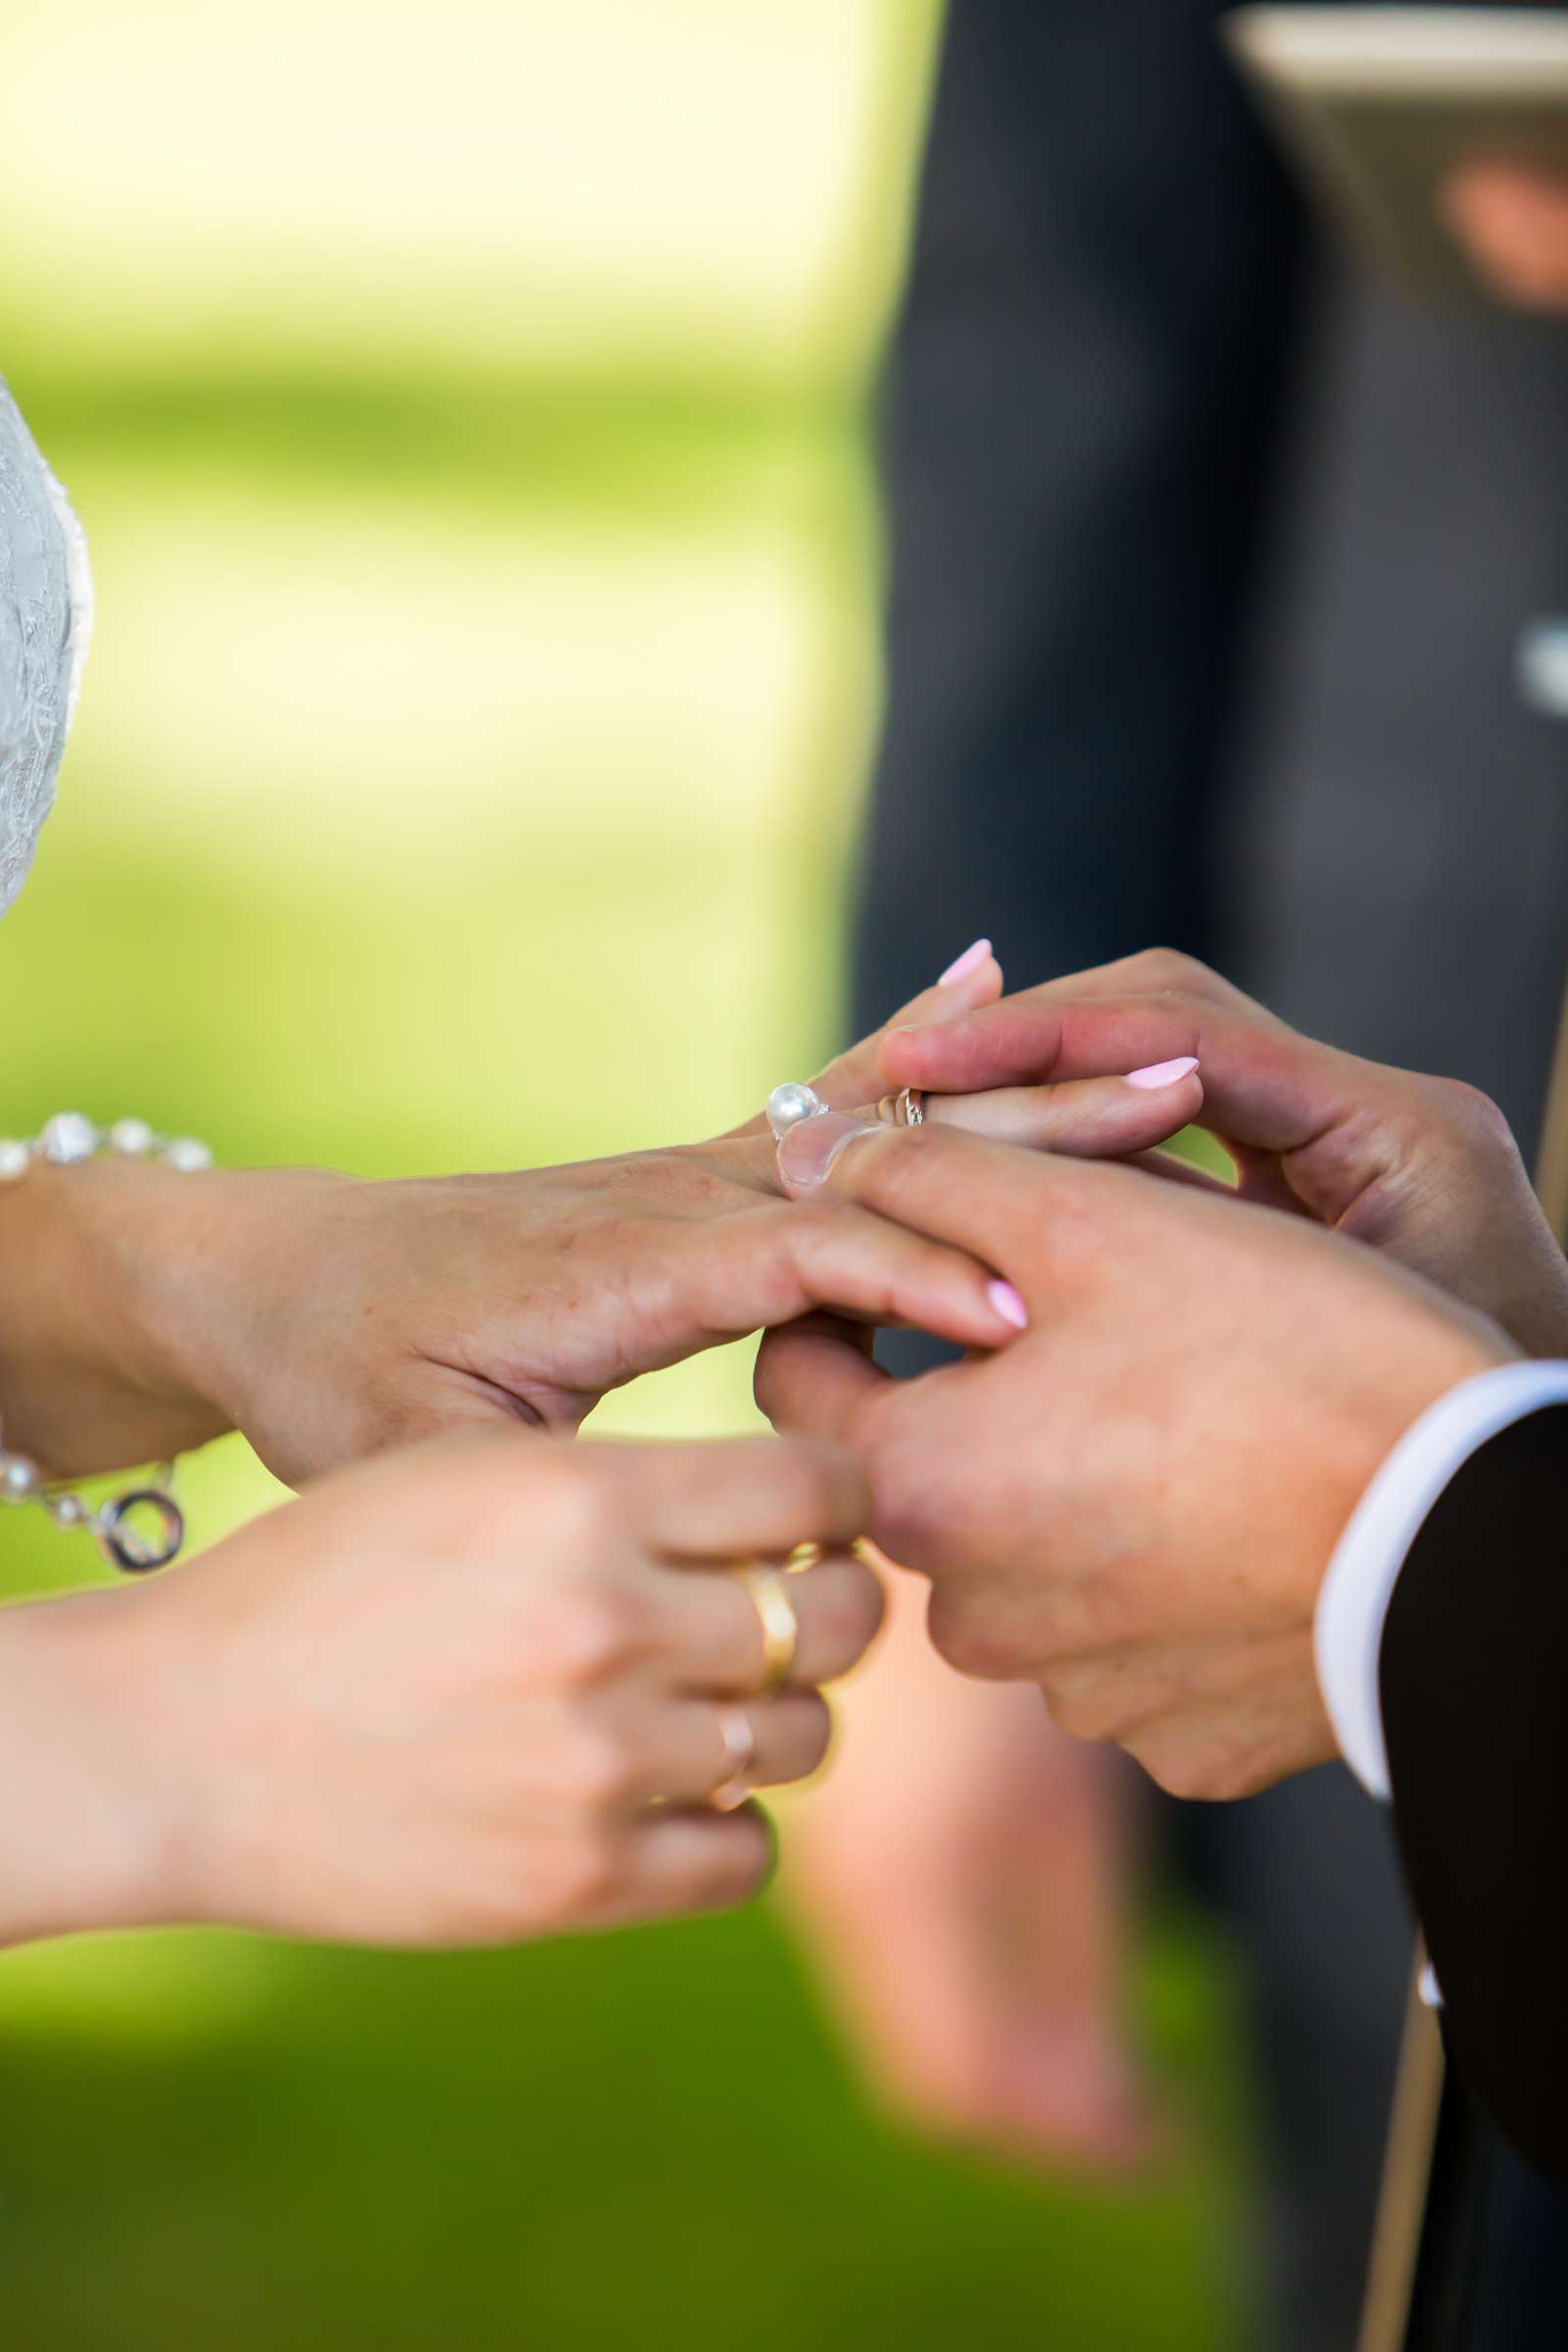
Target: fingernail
1009, 1304
1163, 1073
969, 961
807, 1151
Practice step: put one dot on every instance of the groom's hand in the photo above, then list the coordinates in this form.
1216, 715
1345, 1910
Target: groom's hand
1135, 1503
1421, 1168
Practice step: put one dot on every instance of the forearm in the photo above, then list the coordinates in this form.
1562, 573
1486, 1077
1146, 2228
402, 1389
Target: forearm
87, 1837
103, 1268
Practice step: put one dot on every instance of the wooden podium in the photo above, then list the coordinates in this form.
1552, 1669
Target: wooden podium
1431, 2209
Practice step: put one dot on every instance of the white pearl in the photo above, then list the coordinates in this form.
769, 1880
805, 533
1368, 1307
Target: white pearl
15, 1159
67, 1511
788, 1104
131, 1136
187, 1154
19, 1479
69, 1137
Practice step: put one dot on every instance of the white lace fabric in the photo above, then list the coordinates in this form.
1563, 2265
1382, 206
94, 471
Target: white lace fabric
45, 624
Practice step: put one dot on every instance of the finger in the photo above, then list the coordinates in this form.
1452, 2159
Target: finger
1105, 1118
674, 1862
689, 1756
746, 1495
1157, 972
1262, 1084
1151, 971
972, 979
815, 1376
962, 1189
706, 1632
773, 1264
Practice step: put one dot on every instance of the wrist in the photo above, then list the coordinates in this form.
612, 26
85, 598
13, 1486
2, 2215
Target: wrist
91, 1257
90, 1827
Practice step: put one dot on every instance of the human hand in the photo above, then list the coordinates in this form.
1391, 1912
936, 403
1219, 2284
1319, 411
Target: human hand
1513, 224
961, 1882
467, 1694
1423, 1170
147, 1310
1135, 1504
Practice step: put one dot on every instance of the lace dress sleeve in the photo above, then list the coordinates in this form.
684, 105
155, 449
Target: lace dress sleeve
45, 621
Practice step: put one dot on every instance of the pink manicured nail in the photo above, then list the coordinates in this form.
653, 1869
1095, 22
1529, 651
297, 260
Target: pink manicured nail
809, 1150
963, 966
1009, 1304
1163, 1073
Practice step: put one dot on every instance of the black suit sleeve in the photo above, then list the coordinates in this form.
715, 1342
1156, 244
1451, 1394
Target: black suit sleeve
1473, 1670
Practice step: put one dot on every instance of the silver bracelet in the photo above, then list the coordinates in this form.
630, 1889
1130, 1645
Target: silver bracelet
143, 1527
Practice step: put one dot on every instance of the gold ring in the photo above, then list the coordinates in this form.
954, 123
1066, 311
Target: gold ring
781, 1630
739, 1735
906, 1109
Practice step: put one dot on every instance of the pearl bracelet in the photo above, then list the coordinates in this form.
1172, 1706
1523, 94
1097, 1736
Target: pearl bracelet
68, 1137
116, 1525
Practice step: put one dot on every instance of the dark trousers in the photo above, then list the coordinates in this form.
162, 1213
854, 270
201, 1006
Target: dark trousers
1206, 583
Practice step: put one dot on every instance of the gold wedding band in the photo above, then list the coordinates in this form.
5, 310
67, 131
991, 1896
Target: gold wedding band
739, 1735
906, 1109
781, 1631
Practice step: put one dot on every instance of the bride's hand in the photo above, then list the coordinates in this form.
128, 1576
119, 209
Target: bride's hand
328, 1318
480, 1692
1423, 1170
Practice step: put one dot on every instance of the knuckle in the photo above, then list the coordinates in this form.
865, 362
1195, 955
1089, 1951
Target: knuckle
970, 1638
1079, 1709
1474, 1112
810, 1732
866, 1606
598, 1765
908, 1529
1202, 1768
743, 1862
848, 1608
1166, 971
546, 1491
595, 1630
584, 1873
581, 1504
903, 1158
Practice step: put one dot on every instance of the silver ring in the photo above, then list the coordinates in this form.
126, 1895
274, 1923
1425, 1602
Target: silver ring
739, 1735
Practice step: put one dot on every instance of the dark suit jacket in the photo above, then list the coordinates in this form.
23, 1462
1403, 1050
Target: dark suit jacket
1473, 1670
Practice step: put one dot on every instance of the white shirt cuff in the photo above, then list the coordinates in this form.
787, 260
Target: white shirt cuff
1367, 1559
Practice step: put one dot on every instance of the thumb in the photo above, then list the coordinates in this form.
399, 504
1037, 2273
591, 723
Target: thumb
815, 1376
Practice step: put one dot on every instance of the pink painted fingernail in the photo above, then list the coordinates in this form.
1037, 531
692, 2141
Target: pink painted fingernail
1009, 1304
963, 966
1163, 1073
808, 1150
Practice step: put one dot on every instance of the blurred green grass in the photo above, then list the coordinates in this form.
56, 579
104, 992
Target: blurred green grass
485, 676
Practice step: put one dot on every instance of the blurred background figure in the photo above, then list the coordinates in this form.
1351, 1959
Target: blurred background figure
469, 423
1223, 597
